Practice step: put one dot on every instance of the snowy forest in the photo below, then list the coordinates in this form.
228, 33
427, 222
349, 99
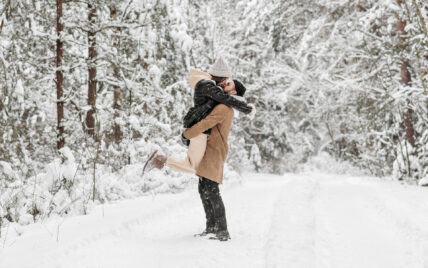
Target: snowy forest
89, 88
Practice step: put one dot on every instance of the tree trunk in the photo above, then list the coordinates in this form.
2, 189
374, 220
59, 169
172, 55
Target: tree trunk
116, 107
59, 76
406, 79
408, 124
92, 71
117, 89
424, 28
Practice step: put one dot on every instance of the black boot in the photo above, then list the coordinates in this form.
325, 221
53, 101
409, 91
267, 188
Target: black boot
222, 233
221, 236
207, 231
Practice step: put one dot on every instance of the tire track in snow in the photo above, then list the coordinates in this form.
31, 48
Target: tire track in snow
402, 216
291, 238
357, 226
251, 212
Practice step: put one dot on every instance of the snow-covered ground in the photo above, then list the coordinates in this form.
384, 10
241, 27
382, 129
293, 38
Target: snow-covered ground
311, 220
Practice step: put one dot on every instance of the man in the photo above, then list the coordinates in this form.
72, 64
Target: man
210, 169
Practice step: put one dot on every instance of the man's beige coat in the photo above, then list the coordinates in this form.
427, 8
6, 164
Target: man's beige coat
220, 121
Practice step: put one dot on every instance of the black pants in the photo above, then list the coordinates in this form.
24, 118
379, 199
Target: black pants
213, 204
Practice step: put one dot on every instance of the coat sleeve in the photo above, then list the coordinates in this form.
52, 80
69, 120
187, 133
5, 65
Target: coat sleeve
195, 114
213, 92
217, 116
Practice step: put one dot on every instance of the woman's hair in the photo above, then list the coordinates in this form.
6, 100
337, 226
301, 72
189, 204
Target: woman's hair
218, 79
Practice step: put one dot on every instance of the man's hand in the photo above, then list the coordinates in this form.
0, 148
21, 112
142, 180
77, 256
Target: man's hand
184, 140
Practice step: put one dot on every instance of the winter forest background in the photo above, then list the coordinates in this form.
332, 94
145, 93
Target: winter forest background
105, 82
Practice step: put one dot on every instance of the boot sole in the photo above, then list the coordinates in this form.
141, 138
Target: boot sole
208, 235
221, 240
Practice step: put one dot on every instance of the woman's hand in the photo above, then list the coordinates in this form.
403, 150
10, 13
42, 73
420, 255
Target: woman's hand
252, 114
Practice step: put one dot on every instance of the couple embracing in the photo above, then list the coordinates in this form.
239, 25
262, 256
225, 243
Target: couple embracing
208, 125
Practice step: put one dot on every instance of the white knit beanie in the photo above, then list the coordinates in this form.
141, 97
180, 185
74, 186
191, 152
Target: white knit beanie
220, 68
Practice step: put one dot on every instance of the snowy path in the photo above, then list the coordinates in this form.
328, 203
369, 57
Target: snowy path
289, 221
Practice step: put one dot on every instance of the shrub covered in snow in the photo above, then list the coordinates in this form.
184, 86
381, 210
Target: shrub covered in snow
63, 188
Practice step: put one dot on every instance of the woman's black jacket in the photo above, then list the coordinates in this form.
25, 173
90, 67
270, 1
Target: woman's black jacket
206, 96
